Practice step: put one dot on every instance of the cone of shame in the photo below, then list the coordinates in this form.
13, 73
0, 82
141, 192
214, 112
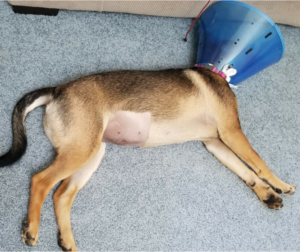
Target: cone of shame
238, 36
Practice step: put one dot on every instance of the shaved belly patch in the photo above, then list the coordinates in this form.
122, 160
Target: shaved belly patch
128, 128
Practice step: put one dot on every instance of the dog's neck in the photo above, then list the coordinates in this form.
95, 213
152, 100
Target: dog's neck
213, 69
226, 72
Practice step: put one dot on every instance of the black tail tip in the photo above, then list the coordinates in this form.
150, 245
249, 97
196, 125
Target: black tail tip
12, 156
6, 160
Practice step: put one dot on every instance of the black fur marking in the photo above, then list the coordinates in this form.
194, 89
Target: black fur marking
19, 132
253, 184
278, 190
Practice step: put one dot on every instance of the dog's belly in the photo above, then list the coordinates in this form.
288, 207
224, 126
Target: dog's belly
179, 131
136, 129
128, 128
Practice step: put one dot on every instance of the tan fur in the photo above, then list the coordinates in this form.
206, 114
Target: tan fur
183, 105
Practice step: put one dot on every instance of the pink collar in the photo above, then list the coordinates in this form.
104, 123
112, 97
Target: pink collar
213, 69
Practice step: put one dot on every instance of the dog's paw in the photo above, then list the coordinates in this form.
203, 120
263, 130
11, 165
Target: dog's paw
270, 198
64, 244
29, 237
273, 201
266, 194
280, 187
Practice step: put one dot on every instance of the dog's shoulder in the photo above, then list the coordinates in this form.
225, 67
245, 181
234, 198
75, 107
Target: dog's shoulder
211, 83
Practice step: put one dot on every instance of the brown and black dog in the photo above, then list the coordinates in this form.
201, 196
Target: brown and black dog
133, 108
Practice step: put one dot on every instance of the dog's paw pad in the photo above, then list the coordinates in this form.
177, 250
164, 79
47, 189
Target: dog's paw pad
270, 200
65, 249
273, 202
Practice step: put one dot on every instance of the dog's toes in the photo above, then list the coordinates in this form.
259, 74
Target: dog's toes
60, 244
25, 225
28, 238
278, 190
280, 187
64, 245
28, 243
268, 195
290, 191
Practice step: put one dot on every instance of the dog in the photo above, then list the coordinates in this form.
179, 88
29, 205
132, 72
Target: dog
133, 108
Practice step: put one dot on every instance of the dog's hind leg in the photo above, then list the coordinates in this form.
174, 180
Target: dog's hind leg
226, 156
74, 123
69, 160
64, 196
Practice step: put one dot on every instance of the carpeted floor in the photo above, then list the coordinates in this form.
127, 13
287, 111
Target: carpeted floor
176, 197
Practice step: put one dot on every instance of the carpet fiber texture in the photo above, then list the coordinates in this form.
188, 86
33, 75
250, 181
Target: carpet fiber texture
176, 197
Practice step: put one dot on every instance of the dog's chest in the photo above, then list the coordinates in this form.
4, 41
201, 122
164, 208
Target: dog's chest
137, 129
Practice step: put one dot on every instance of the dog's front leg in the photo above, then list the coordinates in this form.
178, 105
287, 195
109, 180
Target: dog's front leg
225, 155
64, 196
237, 141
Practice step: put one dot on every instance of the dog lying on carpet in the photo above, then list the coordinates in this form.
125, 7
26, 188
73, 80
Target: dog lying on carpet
133, 108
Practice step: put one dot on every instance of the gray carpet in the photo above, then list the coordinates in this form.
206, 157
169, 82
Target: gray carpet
176, 197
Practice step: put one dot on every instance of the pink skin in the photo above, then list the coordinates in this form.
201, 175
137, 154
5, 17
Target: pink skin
128, 128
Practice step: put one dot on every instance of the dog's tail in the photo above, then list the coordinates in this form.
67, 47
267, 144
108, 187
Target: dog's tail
28, 103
